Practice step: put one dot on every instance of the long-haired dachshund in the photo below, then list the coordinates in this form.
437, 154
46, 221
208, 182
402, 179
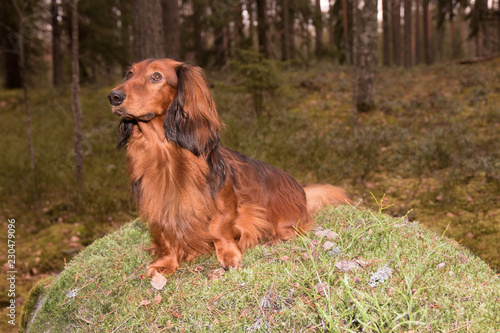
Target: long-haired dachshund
197, 195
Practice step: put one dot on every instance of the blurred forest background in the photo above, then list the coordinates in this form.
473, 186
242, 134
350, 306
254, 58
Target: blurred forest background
393, 97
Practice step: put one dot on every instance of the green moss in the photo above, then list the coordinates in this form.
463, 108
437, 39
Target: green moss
277, 289
34, 297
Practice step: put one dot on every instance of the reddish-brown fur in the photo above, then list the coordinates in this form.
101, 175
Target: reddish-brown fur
196, 195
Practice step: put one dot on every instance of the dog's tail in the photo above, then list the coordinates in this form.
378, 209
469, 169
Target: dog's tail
320, 195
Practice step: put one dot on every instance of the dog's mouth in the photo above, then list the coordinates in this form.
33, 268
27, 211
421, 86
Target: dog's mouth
127, 116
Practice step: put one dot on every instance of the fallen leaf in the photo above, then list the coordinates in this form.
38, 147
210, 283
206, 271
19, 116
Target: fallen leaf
199, 268
440, 265
471, 235
321, 288
284, 258
74, 239
331, 235
357, 279
328, 245
215, 274
144, 303
158, 299
362, 263
158, 281
462, 258
346, 266
321, 233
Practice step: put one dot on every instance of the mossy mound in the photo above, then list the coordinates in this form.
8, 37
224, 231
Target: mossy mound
359, 271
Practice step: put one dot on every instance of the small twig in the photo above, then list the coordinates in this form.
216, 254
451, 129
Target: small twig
123, 322
85, 320
119, 284
466, 325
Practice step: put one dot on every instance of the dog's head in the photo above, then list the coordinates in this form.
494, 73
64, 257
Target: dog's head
164, 88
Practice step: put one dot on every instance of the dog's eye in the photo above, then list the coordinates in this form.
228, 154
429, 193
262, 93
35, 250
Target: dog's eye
156, 77
129, 75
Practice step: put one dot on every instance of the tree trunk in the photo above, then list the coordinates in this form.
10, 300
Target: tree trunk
331, 27
345, 23
453, 45
285, 37
126, 33
199, 12
22, 74
318, 25
149, 37
221, 44
484, 23
428, 44
75, 97
408, 39
251, 26
418, 41
171, 29
262, 27
386, 39
57, 56
441, 20
238, 34
366, 58
9, 23
463, 49
396, 32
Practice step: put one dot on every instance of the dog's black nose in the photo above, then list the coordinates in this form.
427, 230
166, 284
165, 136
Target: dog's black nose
116, 97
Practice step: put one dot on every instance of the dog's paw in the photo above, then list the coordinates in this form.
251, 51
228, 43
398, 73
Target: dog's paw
165, 265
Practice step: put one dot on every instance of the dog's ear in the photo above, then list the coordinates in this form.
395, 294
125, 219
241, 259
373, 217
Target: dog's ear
191, 120
124, 132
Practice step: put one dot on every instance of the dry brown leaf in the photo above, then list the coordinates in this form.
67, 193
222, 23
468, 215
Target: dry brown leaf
199, 268
158, 299
321, 288
328, 245
346, 266
144, 303
158, 281
215, 274
74, 239
331, 235
321, 233
462, 258
284, 258
362, 263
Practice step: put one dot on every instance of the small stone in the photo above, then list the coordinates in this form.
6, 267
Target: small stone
441, 265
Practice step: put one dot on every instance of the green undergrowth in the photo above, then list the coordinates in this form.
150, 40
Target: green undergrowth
326, 280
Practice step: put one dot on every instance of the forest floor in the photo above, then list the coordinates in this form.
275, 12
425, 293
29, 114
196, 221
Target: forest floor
432, 146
